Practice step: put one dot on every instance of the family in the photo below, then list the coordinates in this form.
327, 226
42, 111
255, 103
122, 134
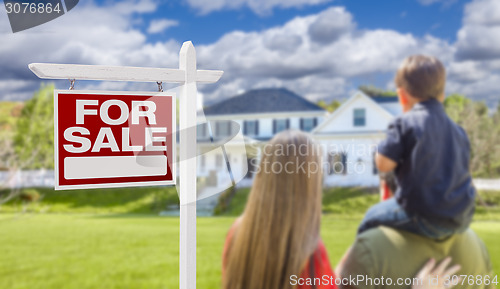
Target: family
417, 237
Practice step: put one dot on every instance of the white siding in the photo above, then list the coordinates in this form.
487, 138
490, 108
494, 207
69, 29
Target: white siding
360, 165
295, 123
342, 121
265, 128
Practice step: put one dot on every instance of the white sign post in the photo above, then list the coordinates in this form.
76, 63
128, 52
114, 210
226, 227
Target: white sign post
188, 76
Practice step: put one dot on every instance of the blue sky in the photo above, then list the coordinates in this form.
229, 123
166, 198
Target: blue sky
441, 19
321, 49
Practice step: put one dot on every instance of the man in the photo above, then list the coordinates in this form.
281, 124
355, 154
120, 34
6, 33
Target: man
388, 258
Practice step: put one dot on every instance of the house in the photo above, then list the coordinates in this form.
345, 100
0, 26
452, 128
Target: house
349, 137
229, 148
264, 112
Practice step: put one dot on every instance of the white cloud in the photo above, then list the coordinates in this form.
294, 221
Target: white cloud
475, 71
160, 25
430, 2
319, 56
316, 65
482, 12
483, 88
477, 42
91, 34
133, 6
331, 24
261, 7
314, 55
479, 38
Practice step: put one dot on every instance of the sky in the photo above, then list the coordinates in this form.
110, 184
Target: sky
320, 49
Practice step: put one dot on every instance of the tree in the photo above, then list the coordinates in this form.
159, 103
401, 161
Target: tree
331, 107
9, 164
371, 90
34, 137
483, 131
455, 105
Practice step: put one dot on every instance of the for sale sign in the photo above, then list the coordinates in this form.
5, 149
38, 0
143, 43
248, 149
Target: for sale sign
113, 139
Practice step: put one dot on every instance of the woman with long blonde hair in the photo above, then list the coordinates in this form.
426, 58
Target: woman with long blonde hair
278, 233
278, 236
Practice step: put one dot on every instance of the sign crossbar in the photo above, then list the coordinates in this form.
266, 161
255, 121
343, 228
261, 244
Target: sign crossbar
119, 73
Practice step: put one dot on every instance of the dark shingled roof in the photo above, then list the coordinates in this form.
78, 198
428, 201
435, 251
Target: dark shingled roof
267, 100
384, 99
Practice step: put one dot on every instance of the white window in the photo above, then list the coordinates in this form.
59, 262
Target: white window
252, 166
202, 131
218, 161
337, 163
281, 125
202, 162
223, 128
307, 124
359, 117
375, 170
251, 127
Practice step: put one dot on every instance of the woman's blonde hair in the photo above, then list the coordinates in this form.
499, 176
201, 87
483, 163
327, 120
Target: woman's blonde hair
279, 229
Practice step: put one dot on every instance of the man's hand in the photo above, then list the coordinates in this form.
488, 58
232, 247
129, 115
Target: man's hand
384, 164
435, 278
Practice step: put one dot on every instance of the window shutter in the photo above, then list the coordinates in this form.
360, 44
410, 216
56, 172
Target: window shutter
375, 170
344, 162
274, 126
257, 127
217, 128
245, 132
315, 122
229, 127
287, 123
301, 124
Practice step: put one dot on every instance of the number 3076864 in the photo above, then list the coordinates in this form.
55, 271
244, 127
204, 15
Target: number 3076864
32, 8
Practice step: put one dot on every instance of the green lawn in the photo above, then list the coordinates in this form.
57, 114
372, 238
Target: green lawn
354, 202
114, 239
46, 251
146, 200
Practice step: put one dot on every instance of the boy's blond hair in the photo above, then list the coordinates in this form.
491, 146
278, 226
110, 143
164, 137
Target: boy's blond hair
423, 77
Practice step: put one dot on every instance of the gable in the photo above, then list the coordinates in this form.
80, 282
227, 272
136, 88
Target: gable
376, 118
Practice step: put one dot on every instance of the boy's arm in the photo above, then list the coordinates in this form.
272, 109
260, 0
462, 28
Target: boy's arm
384, 164
390, 150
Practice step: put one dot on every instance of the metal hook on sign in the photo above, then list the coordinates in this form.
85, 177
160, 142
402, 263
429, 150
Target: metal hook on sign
71, 84
160, 86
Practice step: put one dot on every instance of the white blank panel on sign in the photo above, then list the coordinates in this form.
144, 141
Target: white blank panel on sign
112, 167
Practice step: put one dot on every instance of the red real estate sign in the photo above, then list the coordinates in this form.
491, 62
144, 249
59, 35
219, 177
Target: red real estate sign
113, 139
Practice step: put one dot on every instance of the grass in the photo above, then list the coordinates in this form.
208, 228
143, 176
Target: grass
73, 251
351, 202
490, 209
354, 202
98, 201
346, 202
114, 239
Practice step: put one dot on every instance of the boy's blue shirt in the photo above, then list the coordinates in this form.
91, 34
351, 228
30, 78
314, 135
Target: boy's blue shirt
432, 153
